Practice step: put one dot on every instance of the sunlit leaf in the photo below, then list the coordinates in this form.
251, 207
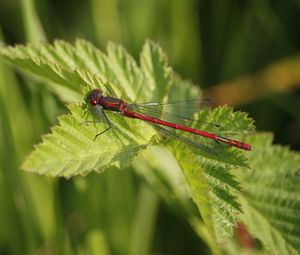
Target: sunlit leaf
271, 198
70, 150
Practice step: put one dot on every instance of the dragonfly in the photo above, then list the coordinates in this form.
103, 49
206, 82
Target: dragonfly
167, 122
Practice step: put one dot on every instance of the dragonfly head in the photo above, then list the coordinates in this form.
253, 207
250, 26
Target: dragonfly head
93, 97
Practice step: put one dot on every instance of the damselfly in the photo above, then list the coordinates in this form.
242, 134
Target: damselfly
154, 114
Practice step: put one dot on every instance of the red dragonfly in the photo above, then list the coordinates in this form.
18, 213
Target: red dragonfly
152, 114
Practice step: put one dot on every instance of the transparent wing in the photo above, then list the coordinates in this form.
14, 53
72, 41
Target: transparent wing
178, 112
205, 144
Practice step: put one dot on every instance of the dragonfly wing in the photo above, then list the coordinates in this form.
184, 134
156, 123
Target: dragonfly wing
184, 108
179, 112
205, 144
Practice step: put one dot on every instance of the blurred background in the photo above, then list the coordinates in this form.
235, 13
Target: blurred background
241, 53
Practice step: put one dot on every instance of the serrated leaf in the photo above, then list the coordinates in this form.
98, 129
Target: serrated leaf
271, 198
214, 190
231, 123
128, 74
71, 67
70, 149
209, 175
157, 72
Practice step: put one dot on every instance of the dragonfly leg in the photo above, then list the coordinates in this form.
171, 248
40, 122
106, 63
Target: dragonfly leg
98, 112
109, 125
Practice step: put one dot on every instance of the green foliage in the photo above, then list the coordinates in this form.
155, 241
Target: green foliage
70, 149
209, 177
212, 187
69, 67
270, 199
208, 42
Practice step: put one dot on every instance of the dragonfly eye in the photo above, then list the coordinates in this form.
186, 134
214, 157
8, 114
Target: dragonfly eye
93, 101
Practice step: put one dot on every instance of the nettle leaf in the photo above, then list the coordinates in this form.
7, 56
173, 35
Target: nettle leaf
209, 175
158, 74
271, 198
70, 150
232, 124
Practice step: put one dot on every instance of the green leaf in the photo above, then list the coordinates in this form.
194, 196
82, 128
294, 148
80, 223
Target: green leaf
128, 74
209, 175
214, 190
157, 73
69, 68
159, 167
271, 198
232, 124
70, 150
